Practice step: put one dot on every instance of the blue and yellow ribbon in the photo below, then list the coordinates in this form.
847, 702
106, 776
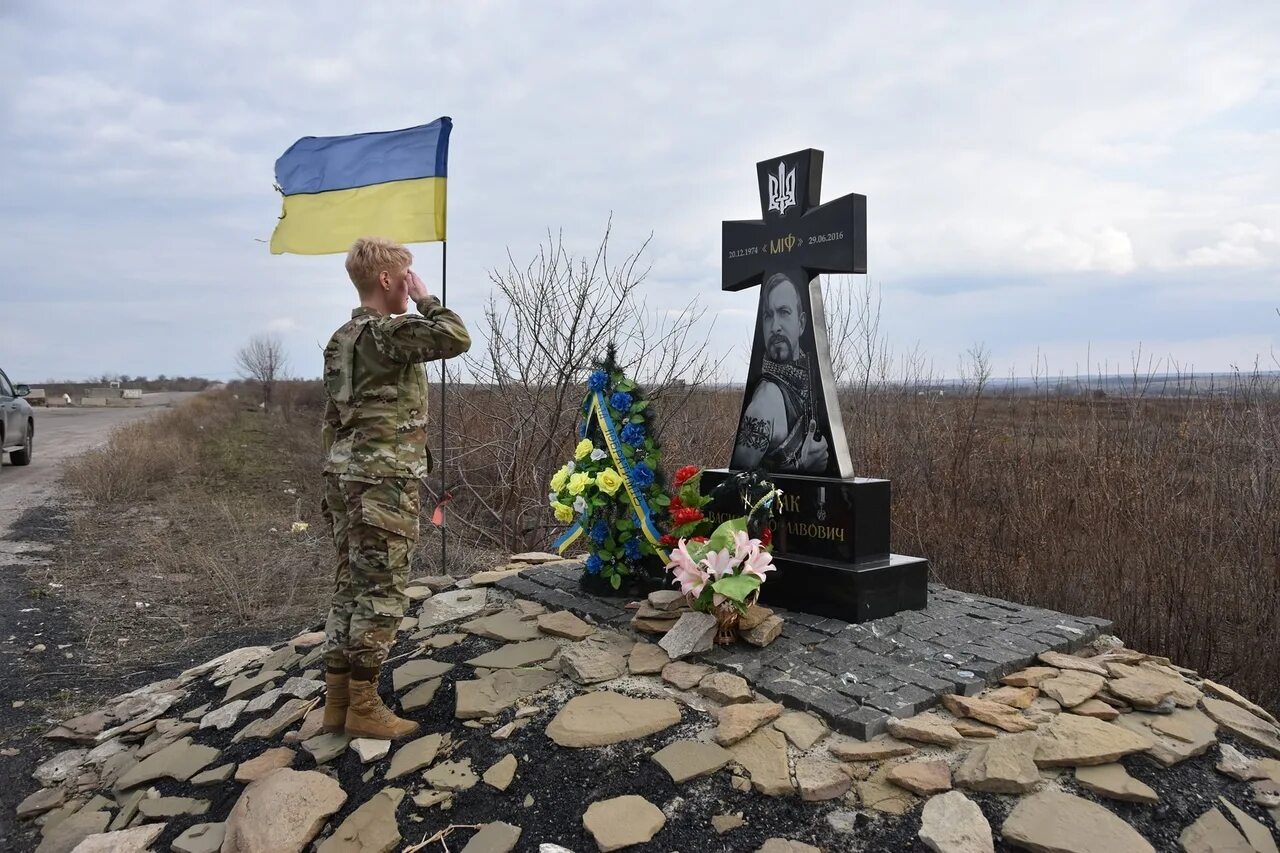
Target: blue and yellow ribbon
599, 409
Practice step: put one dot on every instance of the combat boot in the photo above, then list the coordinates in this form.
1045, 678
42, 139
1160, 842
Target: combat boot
368, 717
337, 697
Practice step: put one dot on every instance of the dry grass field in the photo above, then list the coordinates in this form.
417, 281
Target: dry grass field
1162, 514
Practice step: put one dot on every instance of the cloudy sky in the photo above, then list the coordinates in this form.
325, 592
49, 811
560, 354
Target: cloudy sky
1074, 180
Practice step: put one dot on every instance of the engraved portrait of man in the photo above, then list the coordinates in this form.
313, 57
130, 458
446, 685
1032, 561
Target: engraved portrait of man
779, 429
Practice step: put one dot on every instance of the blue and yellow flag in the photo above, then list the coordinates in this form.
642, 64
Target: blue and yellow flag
338, 188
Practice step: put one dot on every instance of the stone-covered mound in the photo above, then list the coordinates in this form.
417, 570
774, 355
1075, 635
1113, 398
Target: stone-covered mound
539, 728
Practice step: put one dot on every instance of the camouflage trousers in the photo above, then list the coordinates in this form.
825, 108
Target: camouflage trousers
375, 529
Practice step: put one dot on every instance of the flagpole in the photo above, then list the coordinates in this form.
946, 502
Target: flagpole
444, 377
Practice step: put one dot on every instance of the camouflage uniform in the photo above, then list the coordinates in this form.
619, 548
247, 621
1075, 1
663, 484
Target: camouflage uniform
375, 438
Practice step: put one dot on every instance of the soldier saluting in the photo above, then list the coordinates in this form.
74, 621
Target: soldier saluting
375, 440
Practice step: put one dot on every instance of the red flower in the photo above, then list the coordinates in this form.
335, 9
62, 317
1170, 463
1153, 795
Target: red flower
686, 515
669, 540
675, 504
685, 474
766, 537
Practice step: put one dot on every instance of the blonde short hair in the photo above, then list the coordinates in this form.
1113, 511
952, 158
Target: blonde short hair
370, 256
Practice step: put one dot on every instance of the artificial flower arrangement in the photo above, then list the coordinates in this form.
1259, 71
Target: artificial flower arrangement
721, 573
611, 488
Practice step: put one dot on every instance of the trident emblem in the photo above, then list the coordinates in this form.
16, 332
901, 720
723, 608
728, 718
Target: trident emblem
782, 189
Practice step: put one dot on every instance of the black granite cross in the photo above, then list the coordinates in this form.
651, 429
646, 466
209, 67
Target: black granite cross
796, 231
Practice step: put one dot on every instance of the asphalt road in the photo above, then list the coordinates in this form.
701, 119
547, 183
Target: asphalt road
61, 434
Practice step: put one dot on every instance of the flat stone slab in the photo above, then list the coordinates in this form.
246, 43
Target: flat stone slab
517, 655
414, 755
408, 674
420, 696
688, 759
510, 626
370, 827
1052, 820
485, 697
605, 717
623, 821
445, 607
857, 676
562, 623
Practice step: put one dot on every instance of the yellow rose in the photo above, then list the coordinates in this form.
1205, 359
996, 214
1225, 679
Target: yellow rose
609, 481
583, 449
564, 514
578, 482
558, 479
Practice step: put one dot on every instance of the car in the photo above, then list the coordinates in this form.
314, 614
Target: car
17, 422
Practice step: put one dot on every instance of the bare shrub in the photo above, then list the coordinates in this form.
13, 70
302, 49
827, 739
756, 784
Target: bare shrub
263, 361
544, 326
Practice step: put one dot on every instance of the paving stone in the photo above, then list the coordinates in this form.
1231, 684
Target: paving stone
246, 685
414, 755
215, 776
605, 717
487, 696
925, 728
590, 662
501, 773
801, 728
1097, 709
763, 754
420, 696
1222, 691
564, 624
723, 823
820, 778
41, 801
281, 811
171, 806
952, 823
922, 777
1243, 724
180, 761
1032, 676
1169, 750
688, 759
508, 625
992, 713
974, 729
693, 632
421, 669
1005, 765
263, 763
370, 749
684, 675
725, 688
1014, 697
445, 607
327, 746
765, 633
647, 659
451, 776
878, 794
736, 722
271, 727
200, 838
623, 821
874, 750
1054, 821
1213, 833
1114, 782
371, 828
517, 655
495, 837
64, 837
1072, 741
1258, 836
1065, 661
667, 599
224, 716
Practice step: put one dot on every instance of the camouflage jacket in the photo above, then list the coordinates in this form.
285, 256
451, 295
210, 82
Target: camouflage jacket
375, 419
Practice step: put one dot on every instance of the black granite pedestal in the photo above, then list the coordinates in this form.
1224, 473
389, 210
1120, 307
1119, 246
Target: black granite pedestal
831, 547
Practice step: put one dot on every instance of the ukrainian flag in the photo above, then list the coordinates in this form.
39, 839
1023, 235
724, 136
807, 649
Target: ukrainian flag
338, 188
